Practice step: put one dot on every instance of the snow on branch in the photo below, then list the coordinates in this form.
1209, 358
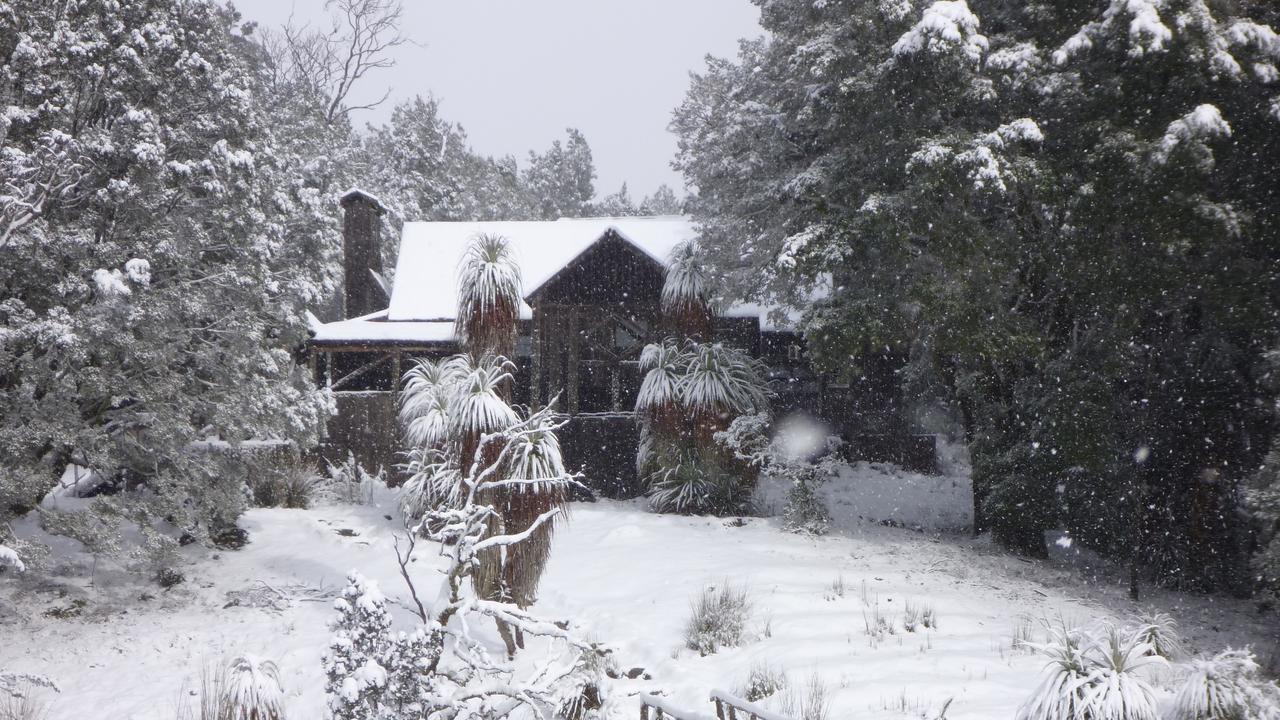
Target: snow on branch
1194, 129
1146, 32
9, 559
945, 26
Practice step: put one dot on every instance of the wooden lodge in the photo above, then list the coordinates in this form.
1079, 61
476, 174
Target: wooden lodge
591, 300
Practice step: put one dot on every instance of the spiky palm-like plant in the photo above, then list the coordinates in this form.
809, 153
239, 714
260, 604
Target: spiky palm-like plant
689, 392
1114, 690
489, 297
686, 302
722, 383
253, 690
1226, 687
1058, 696
1093, 677
1160, 631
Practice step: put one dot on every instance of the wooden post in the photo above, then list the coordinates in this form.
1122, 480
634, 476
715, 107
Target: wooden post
535, 358
644, 711
572, 380
719, 709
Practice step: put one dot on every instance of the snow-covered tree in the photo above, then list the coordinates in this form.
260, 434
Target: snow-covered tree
444, 668
618, 204
1018, 196
157, 253
561, 181
663, 201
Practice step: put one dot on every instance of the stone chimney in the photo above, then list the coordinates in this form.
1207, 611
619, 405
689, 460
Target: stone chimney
361, 254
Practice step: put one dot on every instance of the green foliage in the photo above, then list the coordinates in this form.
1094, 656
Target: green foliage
157, 254
1066, 223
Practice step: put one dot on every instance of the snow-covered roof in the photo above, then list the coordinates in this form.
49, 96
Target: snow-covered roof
424, 296
355, 192
426, 282
374, 328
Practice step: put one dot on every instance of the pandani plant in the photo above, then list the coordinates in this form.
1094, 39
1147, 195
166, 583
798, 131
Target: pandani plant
449, 407
692, 389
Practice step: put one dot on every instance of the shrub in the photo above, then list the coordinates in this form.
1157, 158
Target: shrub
1226, 687
348, 482
1093, 677
719, 619
19, 696
805, 512
693, 480
812, 702
252, 690
286, 481
763, 680
1160, 631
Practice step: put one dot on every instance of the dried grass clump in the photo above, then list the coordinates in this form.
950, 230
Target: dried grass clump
810, 702
763, 680
287, 481
719, 619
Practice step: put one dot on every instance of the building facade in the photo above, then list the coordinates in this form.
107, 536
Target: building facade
591, 304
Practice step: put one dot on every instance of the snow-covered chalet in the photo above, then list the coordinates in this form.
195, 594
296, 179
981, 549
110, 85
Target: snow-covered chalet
591, 304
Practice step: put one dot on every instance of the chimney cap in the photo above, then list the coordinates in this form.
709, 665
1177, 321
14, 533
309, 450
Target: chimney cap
354, 194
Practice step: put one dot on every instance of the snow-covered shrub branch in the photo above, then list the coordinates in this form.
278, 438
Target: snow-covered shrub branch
443, 668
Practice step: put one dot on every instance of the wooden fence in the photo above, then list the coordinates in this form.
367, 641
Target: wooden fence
728, 707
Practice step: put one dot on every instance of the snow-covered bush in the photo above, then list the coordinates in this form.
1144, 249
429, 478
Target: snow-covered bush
19, 698
285, 479
1094, 676
805, 512
159, 554
10, 560
763, 680
372, 672
718, 619
1226, 687
253, 690
1160, 631
349, 482
747, 438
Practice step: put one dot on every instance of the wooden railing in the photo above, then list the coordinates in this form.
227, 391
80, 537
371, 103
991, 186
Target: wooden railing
728, 707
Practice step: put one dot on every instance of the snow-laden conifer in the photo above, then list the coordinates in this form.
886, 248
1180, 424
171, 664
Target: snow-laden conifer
489, 296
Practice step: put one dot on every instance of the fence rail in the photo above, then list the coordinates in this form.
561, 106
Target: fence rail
728, 707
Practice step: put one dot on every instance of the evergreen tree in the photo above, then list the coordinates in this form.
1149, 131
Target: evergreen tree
157, 250
561, 181
1060, 212
663, 201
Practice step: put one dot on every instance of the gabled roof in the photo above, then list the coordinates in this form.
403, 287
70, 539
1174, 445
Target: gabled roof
426, 281
424, 295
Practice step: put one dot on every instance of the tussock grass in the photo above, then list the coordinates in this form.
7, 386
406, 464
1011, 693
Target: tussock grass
718, 619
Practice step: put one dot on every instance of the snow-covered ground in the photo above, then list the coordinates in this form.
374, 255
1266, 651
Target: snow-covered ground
624, 577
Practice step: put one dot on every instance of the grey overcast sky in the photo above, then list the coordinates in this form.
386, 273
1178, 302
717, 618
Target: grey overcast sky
516, 73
